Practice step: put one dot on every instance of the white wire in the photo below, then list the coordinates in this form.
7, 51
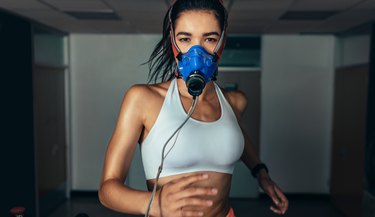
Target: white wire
163, 155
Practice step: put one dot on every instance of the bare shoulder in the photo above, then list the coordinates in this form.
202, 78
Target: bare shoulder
141, 99
237, 99
143, 93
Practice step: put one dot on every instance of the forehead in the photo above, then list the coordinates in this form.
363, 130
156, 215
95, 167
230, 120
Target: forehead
195, 20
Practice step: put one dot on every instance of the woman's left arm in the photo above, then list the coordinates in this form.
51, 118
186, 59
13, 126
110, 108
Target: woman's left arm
250, 157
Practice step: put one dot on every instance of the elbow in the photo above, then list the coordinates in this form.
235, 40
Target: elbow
102, 195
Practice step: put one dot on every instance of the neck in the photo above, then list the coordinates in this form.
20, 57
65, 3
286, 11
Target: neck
207, 91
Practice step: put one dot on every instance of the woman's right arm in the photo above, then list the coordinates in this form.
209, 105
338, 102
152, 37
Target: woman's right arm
113, 193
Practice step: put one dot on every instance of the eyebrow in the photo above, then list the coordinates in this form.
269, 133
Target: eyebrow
211, 33
183, 33
205, 34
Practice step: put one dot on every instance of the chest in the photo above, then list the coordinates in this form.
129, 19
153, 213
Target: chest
213, 146
206, 110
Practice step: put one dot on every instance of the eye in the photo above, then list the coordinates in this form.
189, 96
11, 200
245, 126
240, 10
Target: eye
184, 39
211, 40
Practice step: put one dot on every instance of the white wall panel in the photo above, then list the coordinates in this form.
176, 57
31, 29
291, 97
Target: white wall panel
103, 67
296, 117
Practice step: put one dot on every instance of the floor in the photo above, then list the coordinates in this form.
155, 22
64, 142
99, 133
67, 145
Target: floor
300, 206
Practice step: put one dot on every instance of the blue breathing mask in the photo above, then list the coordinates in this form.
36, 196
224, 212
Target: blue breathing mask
197, 67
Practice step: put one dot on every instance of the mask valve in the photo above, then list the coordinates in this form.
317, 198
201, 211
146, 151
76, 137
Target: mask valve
195, 83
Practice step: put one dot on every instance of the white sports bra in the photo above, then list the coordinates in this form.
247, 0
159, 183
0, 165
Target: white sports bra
200, 146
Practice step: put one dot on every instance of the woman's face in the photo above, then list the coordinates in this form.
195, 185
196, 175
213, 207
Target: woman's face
197, 28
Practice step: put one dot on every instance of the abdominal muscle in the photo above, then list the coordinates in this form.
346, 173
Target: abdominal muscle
220, 181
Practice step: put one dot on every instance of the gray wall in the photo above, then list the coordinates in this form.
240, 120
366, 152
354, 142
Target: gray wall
103, 67
297, 103
297, 93
352, 50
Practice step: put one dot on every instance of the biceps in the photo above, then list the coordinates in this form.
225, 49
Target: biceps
121, 146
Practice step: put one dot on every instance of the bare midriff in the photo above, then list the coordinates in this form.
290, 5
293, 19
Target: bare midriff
220, 181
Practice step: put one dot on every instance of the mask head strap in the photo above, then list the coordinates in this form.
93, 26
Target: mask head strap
176, 50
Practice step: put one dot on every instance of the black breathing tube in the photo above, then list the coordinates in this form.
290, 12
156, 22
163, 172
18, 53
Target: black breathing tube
164, 155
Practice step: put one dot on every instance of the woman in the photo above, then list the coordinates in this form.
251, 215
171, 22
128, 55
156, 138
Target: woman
197, 159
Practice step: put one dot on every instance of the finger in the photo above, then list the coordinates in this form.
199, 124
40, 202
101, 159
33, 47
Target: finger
278, 210
281, 195
193, 201
283, 206
275, 210
192, 213
197, 191
188, 180
273, 195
